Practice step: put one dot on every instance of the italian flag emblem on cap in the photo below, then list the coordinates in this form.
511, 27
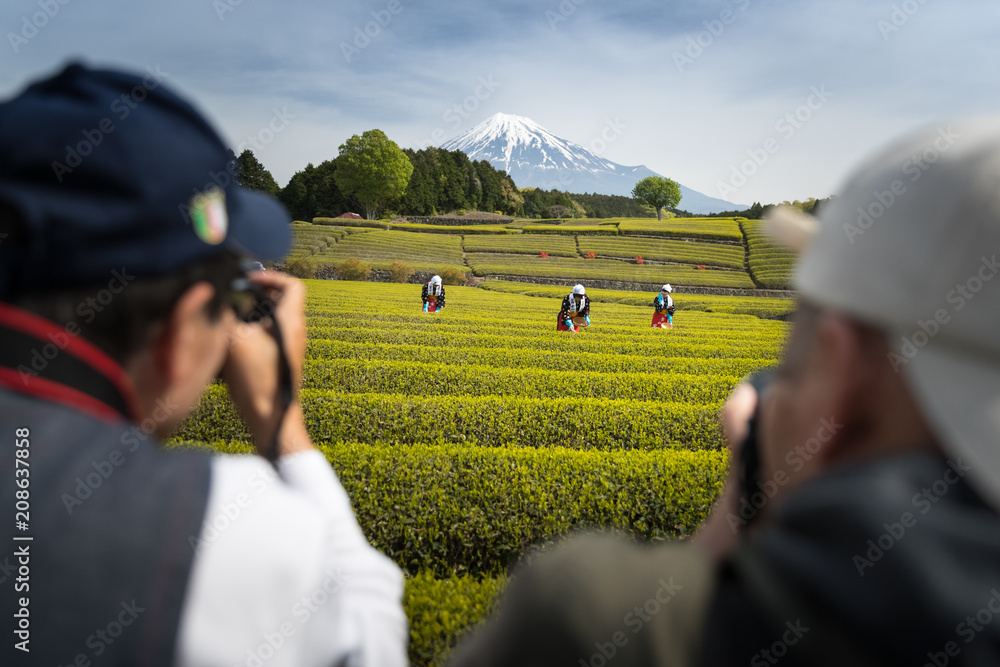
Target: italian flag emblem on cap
209, 217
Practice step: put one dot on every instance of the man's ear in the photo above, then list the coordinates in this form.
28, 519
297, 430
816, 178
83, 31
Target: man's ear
178, 331
843, 360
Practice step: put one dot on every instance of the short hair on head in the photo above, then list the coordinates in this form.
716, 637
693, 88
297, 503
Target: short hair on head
123, 327
800, 342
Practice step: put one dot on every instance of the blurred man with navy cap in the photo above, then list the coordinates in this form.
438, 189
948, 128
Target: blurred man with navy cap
125, 250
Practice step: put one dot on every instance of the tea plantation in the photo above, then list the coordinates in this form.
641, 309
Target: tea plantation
710, 254
470, 437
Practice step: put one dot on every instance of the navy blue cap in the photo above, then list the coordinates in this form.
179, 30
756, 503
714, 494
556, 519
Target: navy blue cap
110, 170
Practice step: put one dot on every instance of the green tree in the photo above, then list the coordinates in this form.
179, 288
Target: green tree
373, 170
253, 175
512, 202
421, 196
558, 210
658, 192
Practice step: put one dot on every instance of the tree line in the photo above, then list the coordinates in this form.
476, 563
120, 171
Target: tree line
758, 210
437, 181
372, 174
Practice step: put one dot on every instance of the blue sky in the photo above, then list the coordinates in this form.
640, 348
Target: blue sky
745, 99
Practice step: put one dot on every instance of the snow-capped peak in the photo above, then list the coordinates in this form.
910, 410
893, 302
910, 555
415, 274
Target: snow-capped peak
535, 157
510, 141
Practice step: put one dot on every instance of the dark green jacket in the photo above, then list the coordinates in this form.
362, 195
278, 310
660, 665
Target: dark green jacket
894, 561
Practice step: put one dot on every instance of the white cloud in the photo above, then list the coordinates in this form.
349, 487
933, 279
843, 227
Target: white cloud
604, 61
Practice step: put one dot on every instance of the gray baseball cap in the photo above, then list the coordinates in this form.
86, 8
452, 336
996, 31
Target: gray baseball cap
911, 246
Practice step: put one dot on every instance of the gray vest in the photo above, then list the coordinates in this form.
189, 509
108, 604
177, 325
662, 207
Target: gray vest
103, 578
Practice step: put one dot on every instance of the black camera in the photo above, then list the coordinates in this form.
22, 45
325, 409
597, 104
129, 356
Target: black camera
749, 457
250, 301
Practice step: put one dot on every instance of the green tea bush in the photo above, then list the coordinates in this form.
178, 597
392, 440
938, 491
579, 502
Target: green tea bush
492, 264
489, 230
485, 420
723, 347
400, 272
431, 378
736, 305
687, 252
302, 267
454, 508
725, 229
527, 359
425, 252
350, 222
450, 276
571, 230
442, 611
352, 269
770, 264
528, 244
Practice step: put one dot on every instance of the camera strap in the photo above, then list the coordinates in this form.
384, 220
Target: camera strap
42, 359
285, 389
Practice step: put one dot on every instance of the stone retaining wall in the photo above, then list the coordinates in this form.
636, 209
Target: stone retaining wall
328, 272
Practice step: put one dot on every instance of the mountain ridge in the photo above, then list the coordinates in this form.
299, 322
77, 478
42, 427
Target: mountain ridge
535, 157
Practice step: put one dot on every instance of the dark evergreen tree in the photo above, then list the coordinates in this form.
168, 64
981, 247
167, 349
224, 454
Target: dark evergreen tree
489, 178
612, 206
313, 192
252, 174
421, 196
330, 201
442, 181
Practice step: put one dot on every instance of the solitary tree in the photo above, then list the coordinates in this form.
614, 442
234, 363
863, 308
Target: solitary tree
657, 192
372, 169
558, 210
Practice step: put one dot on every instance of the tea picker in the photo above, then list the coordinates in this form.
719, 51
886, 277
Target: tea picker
663, 316
575, 313
433, 295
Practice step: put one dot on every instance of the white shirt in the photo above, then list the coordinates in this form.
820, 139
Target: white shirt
284, 576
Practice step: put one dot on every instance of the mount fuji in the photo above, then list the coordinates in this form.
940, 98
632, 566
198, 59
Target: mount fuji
535, 157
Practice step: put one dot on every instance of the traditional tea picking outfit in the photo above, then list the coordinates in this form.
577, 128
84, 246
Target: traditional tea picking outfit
433, 295
574, 314
663, 316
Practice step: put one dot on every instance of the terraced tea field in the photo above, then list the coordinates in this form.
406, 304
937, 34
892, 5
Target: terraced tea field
693, 254
724, 229
523, 266
425, 252
528, 244
686, 252
468, 437
770, 264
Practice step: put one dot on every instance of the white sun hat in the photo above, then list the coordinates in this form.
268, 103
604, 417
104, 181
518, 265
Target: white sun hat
667, 288
911, 246
579, 289
436, 280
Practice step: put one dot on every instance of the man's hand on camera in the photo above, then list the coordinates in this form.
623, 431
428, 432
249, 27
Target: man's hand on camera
251, 371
